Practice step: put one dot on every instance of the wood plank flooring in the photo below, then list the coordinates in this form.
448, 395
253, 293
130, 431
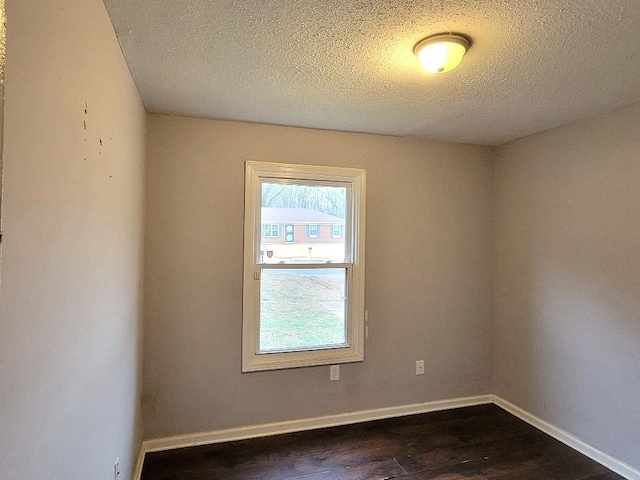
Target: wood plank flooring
483, 442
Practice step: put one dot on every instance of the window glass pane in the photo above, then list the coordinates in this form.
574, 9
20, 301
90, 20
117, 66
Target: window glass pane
302, 210
302, 309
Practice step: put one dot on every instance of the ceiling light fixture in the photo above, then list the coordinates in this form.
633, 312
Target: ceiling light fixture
441, 53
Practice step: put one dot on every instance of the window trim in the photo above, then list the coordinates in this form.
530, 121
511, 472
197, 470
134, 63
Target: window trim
316, 228
333, 231
353, 351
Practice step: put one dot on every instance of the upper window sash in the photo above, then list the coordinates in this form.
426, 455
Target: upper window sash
259, 173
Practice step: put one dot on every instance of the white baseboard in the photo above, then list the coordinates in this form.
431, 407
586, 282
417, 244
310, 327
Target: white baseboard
593, 453
254, 431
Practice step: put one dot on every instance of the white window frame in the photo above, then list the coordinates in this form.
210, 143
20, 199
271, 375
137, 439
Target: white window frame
316, 227
333, 231
354, 232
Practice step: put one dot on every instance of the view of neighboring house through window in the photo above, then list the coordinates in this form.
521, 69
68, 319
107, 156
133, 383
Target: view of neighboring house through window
303, 290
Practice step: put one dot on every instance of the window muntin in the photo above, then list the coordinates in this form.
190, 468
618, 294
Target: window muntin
303, 302
312, 230
336, 231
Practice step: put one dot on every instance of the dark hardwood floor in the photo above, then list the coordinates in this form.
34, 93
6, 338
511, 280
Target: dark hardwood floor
483, 442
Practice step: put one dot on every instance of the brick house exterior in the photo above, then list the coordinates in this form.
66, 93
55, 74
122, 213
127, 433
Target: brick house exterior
288, 234
307, 226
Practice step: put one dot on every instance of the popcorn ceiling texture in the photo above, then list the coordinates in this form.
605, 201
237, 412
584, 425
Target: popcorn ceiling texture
349, 64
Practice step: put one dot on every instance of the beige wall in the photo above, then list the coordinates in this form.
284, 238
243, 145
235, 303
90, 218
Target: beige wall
72, 247
3, 44
428, 275
567, 296
565, 289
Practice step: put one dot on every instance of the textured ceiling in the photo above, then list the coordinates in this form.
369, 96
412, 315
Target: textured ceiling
349, 64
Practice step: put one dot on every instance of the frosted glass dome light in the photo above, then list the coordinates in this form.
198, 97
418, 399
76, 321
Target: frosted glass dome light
441, 53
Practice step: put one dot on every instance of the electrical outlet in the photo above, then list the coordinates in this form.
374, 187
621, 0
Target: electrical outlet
334, 373
419, 367
116, 469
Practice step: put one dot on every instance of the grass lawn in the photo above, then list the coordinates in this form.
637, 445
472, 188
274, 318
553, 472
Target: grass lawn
301, 310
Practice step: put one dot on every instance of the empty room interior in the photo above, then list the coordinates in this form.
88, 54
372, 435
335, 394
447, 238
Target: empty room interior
500, 202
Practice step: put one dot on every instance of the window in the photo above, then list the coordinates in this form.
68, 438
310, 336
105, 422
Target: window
313, 231
304, 305
336, 231
270, 230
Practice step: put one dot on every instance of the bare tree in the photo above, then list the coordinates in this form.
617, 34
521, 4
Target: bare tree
331, 200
